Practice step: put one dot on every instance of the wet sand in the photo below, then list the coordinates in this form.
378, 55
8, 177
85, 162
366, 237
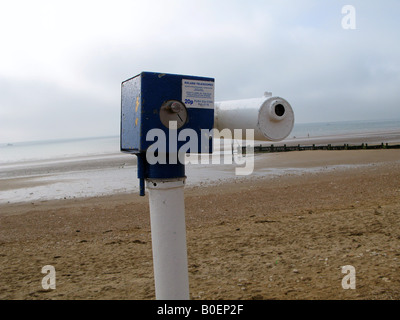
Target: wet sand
108, 174
281, 235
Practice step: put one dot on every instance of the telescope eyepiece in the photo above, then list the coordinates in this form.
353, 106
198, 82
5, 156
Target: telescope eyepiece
279, 110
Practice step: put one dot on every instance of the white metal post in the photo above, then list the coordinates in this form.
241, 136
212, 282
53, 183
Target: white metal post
168, 233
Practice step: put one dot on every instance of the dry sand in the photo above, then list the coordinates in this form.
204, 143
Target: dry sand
273, 237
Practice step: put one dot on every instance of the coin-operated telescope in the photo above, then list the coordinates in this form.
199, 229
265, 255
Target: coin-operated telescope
161, 114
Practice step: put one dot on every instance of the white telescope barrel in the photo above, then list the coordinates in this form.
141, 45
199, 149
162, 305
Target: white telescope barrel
272, 118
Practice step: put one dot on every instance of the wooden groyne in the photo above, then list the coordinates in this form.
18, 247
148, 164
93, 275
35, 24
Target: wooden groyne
285, 148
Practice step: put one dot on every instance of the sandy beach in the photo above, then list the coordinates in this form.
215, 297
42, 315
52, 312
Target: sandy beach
267, 236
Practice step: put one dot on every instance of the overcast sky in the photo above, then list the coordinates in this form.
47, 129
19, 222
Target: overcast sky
62, 62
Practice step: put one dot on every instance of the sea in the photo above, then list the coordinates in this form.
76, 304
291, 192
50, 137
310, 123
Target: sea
340, 128
12, 152
86, 167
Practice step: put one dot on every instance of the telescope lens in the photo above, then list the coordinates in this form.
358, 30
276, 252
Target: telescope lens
279, 110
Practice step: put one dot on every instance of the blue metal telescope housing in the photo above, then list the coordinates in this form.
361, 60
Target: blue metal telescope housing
148, 101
